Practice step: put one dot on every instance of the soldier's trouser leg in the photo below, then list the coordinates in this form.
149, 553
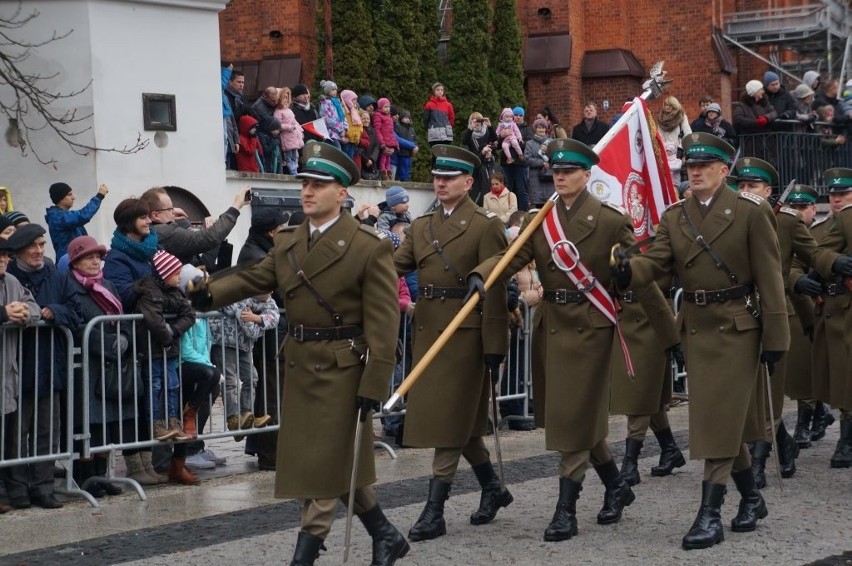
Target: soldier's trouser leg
660, 420
637, 426
446, 460
572, 465
717, 470
318, 514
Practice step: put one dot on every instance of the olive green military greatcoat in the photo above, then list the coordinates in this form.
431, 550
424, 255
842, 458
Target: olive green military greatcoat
722, 341
649, 329
579, 337
795, 242
449, 403
352, 269
834, 386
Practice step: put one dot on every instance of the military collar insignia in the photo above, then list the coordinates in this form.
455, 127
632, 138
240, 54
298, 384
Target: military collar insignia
748, 196
790, 211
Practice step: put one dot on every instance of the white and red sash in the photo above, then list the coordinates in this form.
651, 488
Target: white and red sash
567, 258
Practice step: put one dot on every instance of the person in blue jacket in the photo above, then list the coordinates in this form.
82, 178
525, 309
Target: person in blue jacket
65, 224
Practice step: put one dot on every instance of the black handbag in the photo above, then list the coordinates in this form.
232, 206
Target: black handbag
545, 175
120, 381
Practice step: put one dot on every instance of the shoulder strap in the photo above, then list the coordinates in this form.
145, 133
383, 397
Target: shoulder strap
706, 247
297, 268
440, 250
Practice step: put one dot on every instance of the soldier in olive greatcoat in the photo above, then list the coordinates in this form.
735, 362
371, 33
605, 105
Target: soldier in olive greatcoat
447, 409
577, 333
340, 293
722, 247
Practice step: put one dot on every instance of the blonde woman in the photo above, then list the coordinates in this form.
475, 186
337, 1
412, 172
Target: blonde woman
673, 125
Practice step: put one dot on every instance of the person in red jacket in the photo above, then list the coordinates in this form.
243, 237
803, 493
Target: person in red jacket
388, 144
250, 153
438, 118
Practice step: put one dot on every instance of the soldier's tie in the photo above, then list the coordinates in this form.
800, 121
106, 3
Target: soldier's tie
314, 237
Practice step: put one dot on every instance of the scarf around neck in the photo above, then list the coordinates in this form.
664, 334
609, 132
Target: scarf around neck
141, 251
668, 121
102, 296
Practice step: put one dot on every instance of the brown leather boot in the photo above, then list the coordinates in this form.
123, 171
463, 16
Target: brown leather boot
189, 424
178, 472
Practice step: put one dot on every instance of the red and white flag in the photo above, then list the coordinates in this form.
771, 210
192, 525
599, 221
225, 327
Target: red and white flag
633, 171
317, 128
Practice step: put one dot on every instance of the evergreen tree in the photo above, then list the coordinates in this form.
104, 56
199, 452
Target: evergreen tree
355, 54
425, 44
466, 77
507, 70
397, 74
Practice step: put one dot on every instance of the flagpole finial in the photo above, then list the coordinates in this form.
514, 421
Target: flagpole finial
655, 85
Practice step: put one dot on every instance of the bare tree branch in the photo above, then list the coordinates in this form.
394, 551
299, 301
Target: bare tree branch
32, 106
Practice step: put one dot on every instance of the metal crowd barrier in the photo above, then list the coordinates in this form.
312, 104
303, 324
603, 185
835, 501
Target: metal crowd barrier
797, 155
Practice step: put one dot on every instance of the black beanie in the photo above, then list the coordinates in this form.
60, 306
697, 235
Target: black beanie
59, 191
298, 90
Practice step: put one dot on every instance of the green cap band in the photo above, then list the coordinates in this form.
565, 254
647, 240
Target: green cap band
795, 198
327, 166
696, 150
564, 156
755, 172
453, 164
840, 182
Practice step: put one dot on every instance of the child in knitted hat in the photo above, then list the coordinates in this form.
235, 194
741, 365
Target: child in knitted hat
388, 144
396, 209
512, 139
159, 296
332, 111
407, 145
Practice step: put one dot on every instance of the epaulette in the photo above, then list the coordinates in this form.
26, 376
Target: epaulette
748, 196
676, 204
486, 213
372, 231
790, 211
845, 207
617, 207
820, 220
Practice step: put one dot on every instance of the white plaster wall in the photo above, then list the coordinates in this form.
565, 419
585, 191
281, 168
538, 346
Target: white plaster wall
129, 47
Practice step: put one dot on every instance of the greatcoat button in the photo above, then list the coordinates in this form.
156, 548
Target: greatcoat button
290, 295
693, 331
579, 330
689, 264
316, 367
292, 364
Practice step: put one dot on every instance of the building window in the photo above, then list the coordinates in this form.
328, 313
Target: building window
158, 111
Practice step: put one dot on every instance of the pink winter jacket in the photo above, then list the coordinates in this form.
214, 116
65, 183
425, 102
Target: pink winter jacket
291, 135
383, 125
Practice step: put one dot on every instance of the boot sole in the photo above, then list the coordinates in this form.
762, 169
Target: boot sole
627, 503
414, 537
749, 528
698, 546
505, 502
659, 473
838, 465
561, 536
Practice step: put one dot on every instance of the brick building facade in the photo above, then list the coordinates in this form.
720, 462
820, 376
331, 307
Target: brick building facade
283, 32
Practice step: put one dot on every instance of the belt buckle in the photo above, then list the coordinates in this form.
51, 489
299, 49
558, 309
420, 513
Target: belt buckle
831, 289
560, 296
426, 291
298, 333
627, 297
701, 297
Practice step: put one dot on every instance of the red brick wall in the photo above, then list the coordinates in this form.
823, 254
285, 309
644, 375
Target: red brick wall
676, 31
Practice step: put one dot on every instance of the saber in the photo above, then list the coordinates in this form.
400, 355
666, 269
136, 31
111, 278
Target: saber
359, 428
495, 420
772, 417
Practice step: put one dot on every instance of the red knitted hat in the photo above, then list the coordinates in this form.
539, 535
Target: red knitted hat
166, 264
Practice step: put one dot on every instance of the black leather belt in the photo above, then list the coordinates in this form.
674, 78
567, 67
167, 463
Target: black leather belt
670, 292
434, 292
834, 289
702, 297
302, 333
564, 296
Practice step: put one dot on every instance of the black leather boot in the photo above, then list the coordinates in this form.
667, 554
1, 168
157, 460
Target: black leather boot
431, 523
842, 457
758, 462
802, 435
493, 498
788, 451
101, 470
707, 530
388, 543
81, 471
618, 494
752, 506
670, 455
630, 464
822, 420
564, 523
307, 549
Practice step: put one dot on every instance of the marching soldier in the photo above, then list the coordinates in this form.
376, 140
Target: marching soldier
578, 331
448, 408
757, 177
838, 327
652, 339
797, 381
722, 246
340, 292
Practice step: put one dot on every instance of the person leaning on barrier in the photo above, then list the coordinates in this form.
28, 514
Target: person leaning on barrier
721, 314
17, 307
838, 273
448, 408
43, 369
338, 356
110, 417
577, 334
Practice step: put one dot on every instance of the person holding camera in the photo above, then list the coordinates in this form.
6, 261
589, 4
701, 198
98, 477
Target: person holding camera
480, 139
